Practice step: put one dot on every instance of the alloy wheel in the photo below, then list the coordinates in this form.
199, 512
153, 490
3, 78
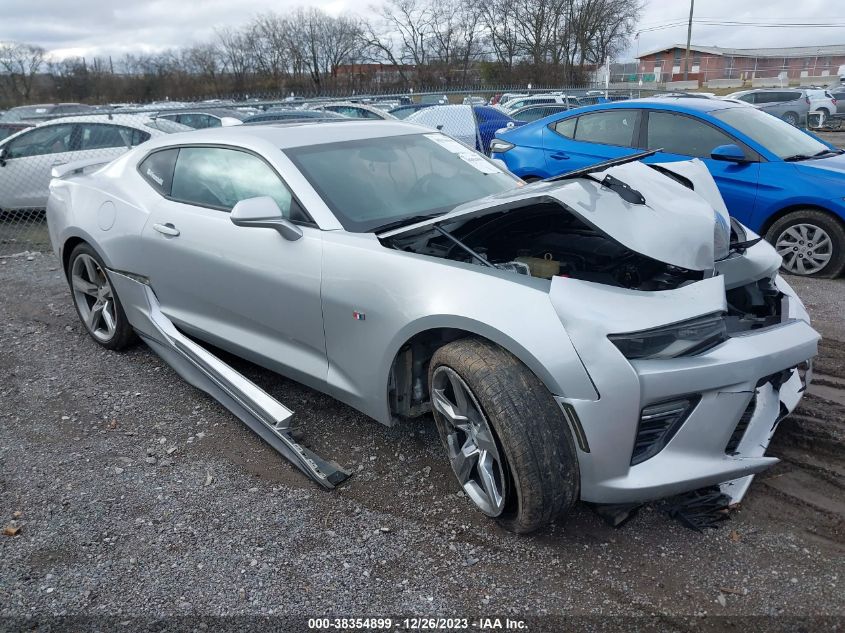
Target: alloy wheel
805, 248
93, 296
471, 445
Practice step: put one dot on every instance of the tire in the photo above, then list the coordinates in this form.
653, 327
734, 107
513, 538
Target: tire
538, 475
786, 236
824, 111
96, 303
792, 118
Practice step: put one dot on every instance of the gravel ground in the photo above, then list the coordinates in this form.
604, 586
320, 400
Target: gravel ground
138, 496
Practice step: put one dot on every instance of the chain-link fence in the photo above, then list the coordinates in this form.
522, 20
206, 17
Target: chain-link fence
32, 155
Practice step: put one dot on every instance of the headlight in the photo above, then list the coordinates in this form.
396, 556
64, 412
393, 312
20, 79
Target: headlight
670, 341
721, 237
499, 146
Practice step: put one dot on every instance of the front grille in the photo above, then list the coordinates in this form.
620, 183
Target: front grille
658, 424
741, 426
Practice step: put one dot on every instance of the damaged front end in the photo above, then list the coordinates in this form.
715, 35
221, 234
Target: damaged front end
695, 345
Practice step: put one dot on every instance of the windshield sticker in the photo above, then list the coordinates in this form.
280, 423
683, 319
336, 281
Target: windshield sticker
464, 153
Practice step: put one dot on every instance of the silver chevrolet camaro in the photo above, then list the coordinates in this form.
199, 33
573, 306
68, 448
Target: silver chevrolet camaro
611, 335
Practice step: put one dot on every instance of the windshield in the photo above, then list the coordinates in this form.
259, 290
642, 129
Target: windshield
779, 137
21, 113
373, 182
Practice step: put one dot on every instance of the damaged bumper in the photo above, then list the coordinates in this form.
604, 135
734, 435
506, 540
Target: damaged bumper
726, 402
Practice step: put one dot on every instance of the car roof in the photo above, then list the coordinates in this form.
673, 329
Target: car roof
237, 114
668, 103
127, 120
284, 135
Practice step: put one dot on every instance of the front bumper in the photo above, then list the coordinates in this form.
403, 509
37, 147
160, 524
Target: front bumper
755, 373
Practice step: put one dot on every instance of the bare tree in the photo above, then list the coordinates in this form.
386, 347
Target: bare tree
238, 48
20, 63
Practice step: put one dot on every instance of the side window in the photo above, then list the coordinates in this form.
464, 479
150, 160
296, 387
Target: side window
48, 139
613, 127
194, 120
157, 170
531, 114
220, 178
566, 127
749, 98
791, 96
345, 111
678, 134
366, 114
101, 136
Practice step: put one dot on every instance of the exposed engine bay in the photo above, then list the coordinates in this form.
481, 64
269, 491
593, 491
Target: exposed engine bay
543, 240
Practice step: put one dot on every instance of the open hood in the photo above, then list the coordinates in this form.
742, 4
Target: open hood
673, 224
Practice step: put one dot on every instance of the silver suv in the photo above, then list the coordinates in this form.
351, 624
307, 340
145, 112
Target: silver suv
789, 104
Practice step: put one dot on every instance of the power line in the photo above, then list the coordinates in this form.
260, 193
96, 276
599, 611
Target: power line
768, 19
769, 25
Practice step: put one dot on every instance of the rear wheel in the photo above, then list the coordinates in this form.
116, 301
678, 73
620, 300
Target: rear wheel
791, 118
505, 436
811, 242
96, 302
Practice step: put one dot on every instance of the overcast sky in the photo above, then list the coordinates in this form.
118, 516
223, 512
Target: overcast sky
103, 27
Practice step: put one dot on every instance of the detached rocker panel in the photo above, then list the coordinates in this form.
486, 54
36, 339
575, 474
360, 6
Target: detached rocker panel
265, 415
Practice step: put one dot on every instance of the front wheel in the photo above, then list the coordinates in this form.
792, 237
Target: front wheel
505, 436
96, 302
811, 242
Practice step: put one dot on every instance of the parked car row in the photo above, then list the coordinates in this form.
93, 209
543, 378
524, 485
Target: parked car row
28, 156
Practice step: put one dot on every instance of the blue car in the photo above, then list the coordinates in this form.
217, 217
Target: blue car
779, 181
473, 125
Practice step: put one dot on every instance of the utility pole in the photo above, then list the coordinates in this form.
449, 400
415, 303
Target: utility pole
689, 36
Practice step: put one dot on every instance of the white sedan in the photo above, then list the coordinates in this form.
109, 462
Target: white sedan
26, 158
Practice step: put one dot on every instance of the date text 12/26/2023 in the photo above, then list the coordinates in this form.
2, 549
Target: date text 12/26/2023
417, 624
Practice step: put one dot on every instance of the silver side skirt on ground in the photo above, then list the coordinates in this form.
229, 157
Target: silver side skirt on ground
265, 415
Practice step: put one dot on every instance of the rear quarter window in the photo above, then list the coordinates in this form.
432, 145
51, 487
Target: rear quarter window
157, 170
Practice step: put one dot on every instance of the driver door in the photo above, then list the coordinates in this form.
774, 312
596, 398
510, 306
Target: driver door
244, 289
29, 158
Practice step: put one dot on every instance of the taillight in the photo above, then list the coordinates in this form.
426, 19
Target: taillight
833, 101
807, 99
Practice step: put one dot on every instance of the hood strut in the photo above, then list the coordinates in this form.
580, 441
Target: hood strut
460, 244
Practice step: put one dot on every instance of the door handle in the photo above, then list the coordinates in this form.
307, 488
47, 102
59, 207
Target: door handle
166, 229
560, 156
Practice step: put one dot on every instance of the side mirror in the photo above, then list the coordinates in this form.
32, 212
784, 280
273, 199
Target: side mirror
729, 153
263, 212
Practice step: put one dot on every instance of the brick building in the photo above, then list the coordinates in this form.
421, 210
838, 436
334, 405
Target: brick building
743, 64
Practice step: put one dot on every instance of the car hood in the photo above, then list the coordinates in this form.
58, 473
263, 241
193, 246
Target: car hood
675, 225
831, 167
